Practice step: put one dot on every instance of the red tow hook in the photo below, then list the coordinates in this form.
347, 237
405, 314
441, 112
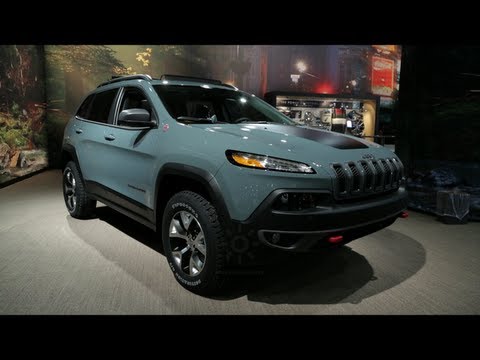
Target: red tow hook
335, 239
403, 215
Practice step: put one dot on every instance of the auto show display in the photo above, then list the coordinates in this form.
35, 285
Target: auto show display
340, 113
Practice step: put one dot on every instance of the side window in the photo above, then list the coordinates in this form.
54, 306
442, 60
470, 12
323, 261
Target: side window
83, 111
134, 98
101, 105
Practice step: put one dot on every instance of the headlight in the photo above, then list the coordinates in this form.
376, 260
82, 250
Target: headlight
267, 162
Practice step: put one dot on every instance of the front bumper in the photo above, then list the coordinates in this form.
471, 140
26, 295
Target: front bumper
305, 229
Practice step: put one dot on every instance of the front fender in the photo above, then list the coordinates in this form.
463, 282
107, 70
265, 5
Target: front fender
202, 176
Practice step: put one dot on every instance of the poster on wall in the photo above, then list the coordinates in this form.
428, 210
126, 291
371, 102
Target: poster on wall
23, 137
383, 71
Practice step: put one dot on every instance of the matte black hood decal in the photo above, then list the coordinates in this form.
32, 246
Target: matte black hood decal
335, 140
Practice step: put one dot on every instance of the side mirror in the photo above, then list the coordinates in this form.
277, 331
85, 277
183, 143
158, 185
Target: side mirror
135, 117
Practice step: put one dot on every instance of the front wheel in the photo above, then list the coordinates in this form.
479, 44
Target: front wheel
194, 242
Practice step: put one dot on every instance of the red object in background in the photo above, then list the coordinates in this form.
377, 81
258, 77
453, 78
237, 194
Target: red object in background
382, 76
263, 71
324, 88
335, 239
404, 214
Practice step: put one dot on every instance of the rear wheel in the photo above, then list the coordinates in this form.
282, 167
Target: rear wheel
194, 242
78, 204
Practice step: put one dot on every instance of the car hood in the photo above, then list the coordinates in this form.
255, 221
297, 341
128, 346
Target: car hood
299, 143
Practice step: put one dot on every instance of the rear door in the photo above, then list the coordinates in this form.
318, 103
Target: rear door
93, 120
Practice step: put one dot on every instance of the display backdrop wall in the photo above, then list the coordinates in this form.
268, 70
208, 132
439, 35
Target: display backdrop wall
23, 134
71, 71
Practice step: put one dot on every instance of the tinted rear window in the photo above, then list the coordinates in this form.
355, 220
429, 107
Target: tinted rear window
101, 105
85, 107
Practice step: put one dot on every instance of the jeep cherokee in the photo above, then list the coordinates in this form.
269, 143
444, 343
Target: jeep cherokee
204, 163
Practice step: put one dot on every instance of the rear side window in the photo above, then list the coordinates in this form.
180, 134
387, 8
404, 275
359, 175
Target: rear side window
100, 108
85, 107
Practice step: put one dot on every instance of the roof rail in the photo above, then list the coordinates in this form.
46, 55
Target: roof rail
117, 78
193, 78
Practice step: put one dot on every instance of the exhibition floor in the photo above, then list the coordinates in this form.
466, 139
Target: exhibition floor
51, 263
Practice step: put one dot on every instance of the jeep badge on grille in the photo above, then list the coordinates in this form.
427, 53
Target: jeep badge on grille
368, 156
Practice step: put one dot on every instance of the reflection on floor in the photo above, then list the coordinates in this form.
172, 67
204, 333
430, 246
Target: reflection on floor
51, 263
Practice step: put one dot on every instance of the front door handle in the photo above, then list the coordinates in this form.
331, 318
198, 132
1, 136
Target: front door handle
110, 137
78, 131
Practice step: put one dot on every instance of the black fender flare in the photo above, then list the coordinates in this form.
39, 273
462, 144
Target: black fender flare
70, 149
198, 174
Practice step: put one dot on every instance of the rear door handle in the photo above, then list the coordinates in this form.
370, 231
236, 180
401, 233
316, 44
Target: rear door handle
78, 131
110, 137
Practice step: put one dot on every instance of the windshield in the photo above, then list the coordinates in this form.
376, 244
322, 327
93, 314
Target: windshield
207, 105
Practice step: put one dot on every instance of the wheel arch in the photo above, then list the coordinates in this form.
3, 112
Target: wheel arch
69, 154
175, 177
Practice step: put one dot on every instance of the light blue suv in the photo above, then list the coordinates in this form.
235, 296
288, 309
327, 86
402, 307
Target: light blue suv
208, 165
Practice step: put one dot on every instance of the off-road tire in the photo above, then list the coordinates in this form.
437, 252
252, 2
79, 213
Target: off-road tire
211, 278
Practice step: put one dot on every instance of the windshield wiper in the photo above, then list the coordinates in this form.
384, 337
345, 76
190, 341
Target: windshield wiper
194, 120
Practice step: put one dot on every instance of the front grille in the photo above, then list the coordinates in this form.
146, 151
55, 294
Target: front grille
355, 177
388, 173
366, 177
341, 178
379, 176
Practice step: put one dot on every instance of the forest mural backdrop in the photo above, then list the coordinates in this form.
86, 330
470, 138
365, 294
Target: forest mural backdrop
23, 136
36, 104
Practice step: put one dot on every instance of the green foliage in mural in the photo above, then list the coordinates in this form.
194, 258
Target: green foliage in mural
16, 112
157, 60
22, 97
90, 60
20, 134
73, 70
14, 138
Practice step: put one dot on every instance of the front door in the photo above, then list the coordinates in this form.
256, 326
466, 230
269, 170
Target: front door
132, 151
